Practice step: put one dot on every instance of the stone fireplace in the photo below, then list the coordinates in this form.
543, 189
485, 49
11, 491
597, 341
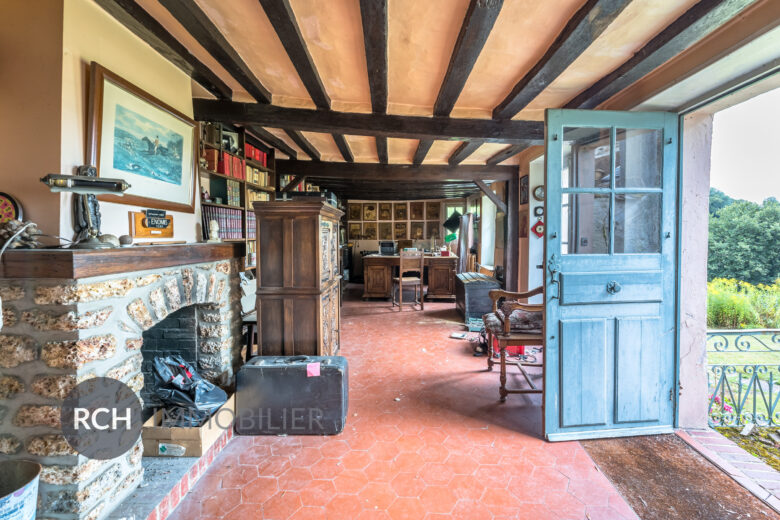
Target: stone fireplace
72, 315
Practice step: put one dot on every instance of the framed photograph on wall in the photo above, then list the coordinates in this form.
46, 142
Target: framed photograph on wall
134, 136
417, 230
432, 229
523, 199
354, 211
385, 211
432, 210
385, 231
355, 232
417, 211
369, 211
369, 231
400, 212
400, 231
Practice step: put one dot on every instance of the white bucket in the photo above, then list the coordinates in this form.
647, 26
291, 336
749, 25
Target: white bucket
18, 489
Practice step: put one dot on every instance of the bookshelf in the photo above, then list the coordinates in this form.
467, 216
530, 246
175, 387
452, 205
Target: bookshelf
234, 180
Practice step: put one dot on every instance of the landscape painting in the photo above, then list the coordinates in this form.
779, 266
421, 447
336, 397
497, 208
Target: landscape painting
145, 147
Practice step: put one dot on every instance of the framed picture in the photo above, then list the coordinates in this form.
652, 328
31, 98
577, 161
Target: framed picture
355, 232
432, 210
354, 211
134, 136
400, 212
369, 231
400, 231
523, 190
417, 210
432, 229
369, 211
417, 230
385, 231
385, 211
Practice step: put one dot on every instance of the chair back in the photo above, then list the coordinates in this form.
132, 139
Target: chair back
411, 261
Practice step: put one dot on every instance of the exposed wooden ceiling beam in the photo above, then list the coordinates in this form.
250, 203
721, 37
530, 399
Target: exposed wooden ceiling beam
258, 143
343, 147
388, 125
477, 24
272, 140
294, 183
582, 30
381, 149
491, 195
422, 150
474, 32
373, 13
463, 151
198, 24
304, 144
283, 19
143, 25
693, 25
394, 172
508, 152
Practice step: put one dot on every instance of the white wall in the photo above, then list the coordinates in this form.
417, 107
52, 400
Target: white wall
535, 244
487, 231
90, 34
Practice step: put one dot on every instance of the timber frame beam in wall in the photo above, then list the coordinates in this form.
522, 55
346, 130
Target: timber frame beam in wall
484, 188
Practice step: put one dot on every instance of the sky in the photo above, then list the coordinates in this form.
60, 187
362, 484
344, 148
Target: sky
746, 149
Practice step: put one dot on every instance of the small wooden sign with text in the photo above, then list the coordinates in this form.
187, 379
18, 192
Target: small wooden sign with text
151, 224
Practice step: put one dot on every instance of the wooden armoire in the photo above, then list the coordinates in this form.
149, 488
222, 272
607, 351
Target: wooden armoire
298, 278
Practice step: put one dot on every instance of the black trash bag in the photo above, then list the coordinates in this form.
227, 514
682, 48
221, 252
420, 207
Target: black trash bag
177, 384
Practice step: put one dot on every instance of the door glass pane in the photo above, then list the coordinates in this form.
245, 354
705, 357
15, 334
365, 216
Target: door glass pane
638, 158
638, 223
586, 158
585, 224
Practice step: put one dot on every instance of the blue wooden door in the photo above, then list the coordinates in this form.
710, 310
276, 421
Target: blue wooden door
610, 273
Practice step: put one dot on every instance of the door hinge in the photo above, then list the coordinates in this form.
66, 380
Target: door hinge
671, 394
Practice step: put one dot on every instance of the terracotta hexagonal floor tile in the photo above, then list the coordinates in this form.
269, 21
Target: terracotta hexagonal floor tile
466, 486
304, 513
377, 495
343, 507
409, 443
537, 512
282, 505
334, 449
407, 485
273, 465
220, 502
493, 476
243, 512
470, 510
387, 433
239, 477
434, 453
384, 450
436, 474
317, 493
360, 440
380, 471
326, 469
461, 464
407, 462
350, 481
565, 505
591, 492
294, 479
305, 457
436, 499
373, 514
406, 509
356, 460
259, 490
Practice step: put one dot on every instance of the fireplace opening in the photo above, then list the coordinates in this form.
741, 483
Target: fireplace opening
177, 334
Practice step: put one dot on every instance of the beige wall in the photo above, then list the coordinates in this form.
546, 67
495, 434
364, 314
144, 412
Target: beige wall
90, 34
30, 73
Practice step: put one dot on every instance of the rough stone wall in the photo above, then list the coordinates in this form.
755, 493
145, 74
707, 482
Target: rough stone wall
60, 332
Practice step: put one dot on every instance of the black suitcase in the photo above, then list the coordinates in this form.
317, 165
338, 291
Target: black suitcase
278, 395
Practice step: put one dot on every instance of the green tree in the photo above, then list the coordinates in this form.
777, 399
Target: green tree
718, 200
744, 242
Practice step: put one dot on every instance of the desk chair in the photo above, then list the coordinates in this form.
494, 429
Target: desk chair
513, 322
411, 261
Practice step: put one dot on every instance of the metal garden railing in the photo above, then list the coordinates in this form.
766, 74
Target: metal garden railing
746, 390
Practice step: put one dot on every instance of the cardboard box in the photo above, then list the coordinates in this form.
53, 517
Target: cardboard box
186, 442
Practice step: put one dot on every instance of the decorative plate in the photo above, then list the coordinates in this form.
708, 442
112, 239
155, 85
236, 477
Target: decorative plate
538, 192
538, 229
10, 209
539, 211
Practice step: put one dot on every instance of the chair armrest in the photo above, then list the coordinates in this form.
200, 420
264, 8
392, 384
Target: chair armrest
530, 307
497, 294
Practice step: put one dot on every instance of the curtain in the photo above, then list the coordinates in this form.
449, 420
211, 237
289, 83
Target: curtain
465, 241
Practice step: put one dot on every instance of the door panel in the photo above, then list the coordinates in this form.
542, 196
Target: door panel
610, 264
583, 372
639, 344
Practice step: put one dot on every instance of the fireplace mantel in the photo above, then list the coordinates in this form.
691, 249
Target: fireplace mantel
75, 264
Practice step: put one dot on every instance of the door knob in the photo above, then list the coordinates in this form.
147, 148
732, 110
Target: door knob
613, 287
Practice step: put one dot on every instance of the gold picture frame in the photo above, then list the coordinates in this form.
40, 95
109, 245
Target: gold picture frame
400, 211
385, 231
385, 211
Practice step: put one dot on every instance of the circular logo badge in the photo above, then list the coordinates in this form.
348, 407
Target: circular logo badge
101, 418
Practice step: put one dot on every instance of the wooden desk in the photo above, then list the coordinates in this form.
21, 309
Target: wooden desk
378, 272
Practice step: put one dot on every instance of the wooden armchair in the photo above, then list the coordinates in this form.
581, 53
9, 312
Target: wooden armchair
514, 322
